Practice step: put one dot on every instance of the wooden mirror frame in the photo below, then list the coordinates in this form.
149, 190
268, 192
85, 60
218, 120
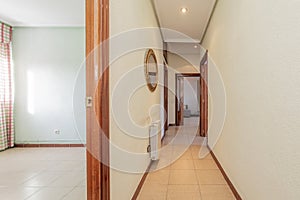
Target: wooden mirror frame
151, 87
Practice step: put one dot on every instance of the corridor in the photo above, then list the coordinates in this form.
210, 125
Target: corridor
189, 177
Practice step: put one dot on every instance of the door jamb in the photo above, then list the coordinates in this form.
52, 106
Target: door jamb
166, 90
203, 125
98, 173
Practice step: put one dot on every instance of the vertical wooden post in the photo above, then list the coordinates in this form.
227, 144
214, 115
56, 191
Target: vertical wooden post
204, 95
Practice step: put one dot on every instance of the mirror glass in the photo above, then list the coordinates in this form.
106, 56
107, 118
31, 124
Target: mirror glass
151, 70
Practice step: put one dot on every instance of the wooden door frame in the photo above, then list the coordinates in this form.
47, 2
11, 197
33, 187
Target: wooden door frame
204, 96
166, 96
184, 75
166, 89
97, 141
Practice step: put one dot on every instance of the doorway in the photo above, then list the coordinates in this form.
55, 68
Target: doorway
182, 109
187, 97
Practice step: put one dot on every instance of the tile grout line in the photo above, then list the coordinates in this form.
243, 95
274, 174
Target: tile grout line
199, 189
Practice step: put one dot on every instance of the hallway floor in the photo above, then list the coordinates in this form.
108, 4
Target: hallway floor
189, 177
43, 174
59, 173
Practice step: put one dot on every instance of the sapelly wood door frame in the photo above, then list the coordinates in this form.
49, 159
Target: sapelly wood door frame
97, 91
204, 95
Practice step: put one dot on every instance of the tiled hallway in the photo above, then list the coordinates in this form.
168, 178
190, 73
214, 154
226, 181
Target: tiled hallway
59, 173
189, 177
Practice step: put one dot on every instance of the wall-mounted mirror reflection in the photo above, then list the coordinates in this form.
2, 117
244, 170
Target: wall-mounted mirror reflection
151, 70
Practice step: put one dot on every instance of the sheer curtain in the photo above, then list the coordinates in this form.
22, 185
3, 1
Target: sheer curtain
6, 89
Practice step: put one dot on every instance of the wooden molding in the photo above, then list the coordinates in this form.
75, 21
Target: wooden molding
48, 145
203, 103
139, 188
97, 155
234, 191
172, 124
188, 74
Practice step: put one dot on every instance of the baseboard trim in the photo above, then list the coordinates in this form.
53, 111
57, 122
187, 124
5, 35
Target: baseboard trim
234, 191
172, 124
48, 145
139, 188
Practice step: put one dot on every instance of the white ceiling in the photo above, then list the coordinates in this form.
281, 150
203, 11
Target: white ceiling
184, 48
45, 13
191, 24
71, 13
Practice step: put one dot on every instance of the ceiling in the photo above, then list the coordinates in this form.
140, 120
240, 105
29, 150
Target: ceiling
183, 48
45, 13
191, 24
180, 31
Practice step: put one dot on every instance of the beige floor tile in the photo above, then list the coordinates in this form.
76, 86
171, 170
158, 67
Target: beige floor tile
190, 192
205, 164
180, 149
43, 179
216, 192
183, 195
50, 193
202, 153
64, 179
69, 165
79, 193
183, 177
206, 156
210, 177
158, 177
154, 196
44, 173
153, 191
183, 164
154, 187
82, 183
184, 155
16, 192
12, 178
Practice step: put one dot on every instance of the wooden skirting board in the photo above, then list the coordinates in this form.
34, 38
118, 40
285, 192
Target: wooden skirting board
234, 191
48, 145
139, 188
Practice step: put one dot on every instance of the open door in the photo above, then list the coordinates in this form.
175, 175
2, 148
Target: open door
180, 101
204, 95
97, 101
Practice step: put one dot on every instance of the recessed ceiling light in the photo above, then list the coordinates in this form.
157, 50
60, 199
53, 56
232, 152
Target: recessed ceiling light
196, 46
184, 10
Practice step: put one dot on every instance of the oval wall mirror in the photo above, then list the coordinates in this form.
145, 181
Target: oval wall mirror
151, 70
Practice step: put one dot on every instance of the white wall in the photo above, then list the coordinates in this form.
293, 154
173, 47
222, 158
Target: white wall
179, 64
131, 101
191, 94
46, 63
255, 45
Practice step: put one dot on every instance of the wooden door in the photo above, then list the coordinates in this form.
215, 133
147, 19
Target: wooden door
97, 91
180, 101
204, 95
